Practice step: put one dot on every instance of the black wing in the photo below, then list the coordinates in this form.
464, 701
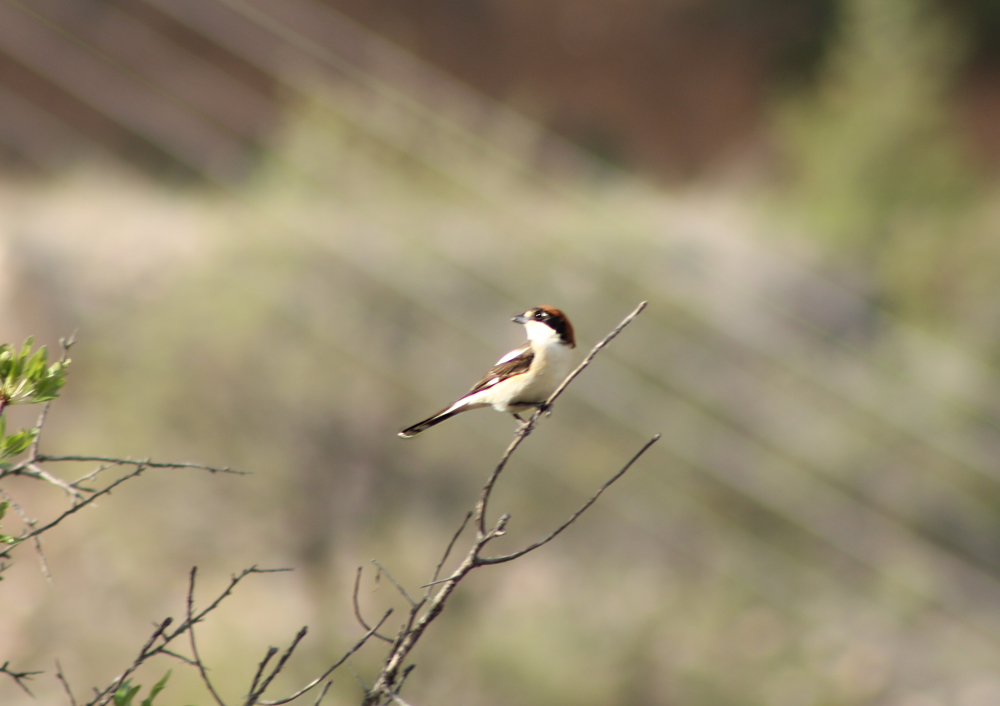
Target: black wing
514, 363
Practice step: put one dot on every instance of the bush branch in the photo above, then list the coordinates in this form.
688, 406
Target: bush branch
386, 687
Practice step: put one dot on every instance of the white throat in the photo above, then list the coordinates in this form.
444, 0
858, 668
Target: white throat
542, 334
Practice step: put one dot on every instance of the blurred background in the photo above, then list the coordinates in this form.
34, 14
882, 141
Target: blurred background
285, 229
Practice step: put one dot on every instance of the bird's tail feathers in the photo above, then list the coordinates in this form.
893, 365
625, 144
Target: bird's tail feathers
444, 414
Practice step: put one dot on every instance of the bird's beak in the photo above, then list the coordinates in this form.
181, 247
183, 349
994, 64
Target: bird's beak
519, 319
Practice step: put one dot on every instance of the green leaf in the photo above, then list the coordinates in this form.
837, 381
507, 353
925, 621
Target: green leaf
34, 369
126, 692
26, 348
157, 688
17, 443
24, 377
5, 538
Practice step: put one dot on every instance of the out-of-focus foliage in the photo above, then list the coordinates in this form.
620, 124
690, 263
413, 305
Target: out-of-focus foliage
127, 692
876, 164
25, 379
819, 524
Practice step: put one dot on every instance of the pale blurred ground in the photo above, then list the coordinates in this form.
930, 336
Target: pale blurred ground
820, 523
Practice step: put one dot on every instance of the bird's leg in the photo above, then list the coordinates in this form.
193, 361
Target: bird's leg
524, 423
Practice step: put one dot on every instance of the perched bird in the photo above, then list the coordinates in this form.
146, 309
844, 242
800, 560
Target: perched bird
525, 377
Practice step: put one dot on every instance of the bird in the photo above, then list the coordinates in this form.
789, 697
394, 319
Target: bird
522, 379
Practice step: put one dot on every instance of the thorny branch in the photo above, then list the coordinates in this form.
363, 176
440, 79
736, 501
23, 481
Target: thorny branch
163, 636
80, 495
386, 687
18, 677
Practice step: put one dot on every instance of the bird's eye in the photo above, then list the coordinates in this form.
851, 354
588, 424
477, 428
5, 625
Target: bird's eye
539, 316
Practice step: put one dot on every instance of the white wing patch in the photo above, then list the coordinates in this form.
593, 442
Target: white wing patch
509, 356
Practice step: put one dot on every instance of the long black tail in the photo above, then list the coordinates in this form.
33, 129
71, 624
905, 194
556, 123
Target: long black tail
430, 421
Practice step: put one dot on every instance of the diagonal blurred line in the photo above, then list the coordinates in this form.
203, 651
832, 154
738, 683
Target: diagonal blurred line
383, 111
41, 138
139, 50
820, 529
39, 45
768, 346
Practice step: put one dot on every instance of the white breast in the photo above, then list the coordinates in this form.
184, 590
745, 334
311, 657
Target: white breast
552, 363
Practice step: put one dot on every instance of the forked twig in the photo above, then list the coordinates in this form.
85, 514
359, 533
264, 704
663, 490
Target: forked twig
529, 426
18, 677
357, 607
387, 684
194, 644
556, 532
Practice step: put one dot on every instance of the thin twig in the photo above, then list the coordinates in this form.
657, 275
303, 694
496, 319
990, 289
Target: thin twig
447, 551
18, 677
397, 584
271, 651
43, 561
62, 678
322, 694
177, 655
590, 356
253, 697
529, 426
386, 685
65, 344
357, 646
90, 476
80, 505
357, 607
33, 470
44, 458
102, 697
357, 677
194, 643
555, 533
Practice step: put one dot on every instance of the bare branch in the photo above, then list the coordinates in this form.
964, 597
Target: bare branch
322, 694
447, 551
18, 677
194, 644
79, 506
555, 533
590, 356
387, 684
43, 458
177, 655
43, 561
103, 697
62, 679
253, 697
397, 584
271, 651
529, 426
357, 607
65, 344
35, 471
150, 649
90, 476
357, 646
